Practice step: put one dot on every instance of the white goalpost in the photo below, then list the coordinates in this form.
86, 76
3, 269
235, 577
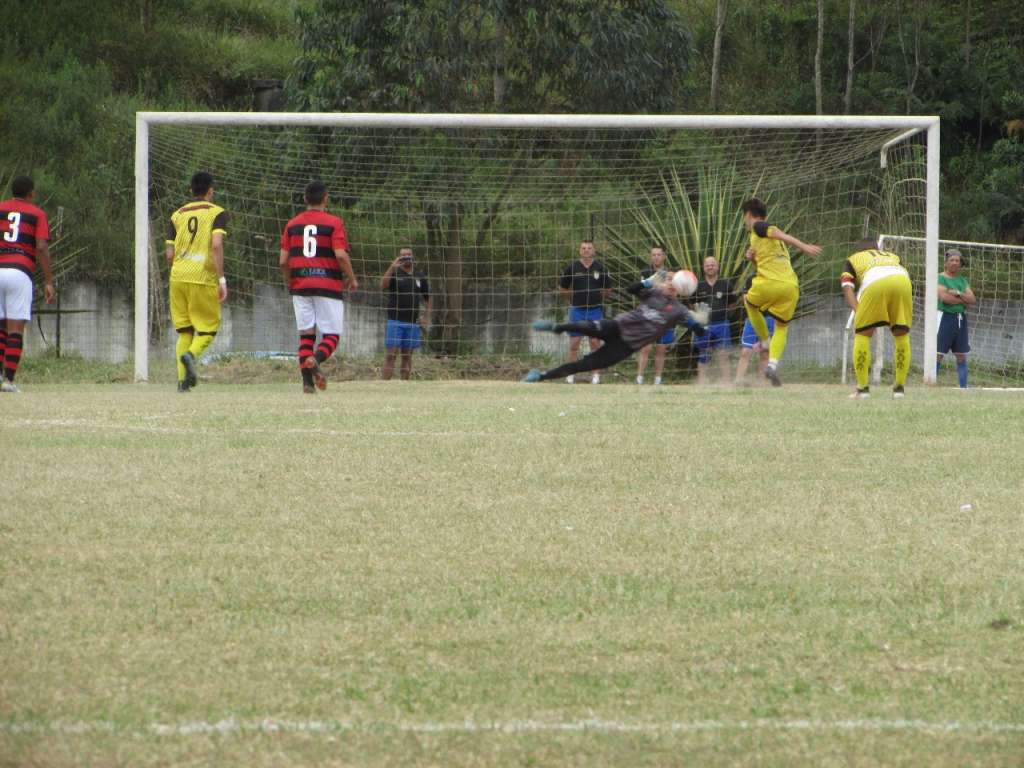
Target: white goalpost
495, 206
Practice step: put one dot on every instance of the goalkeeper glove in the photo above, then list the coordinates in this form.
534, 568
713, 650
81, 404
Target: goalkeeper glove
658, 278
697, 328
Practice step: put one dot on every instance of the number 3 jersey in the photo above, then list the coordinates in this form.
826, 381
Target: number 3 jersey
310, 239
191, 233
22, 226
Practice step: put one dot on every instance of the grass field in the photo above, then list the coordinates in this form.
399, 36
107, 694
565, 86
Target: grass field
472, 573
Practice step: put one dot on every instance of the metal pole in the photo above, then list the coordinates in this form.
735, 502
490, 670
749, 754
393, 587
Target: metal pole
141, 248
931, 256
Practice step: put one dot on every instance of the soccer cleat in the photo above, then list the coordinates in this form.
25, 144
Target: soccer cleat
639, 379
310, 364
595, 379
543, 325
532, 377
191, 377
771, 372
570, 379
897, 392
657, 381
860, 394
308, 389
183, 386
8, 386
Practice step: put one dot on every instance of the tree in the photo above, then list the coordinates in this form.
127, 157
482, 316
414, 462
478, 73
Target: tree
819, 49
848, 93
481, 55
716, 56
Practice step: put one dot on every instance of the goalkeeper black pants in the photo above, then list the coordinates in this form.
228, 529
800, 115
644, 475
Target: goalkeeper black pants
613, 351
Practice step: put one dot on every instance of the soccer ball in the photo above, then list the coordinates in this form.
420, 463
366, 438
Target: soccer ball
685, 282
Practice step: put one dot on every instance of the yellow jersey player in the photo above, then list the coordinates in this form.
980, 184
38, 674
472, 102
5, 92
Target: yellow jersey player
883, 297
195, 253
775, 289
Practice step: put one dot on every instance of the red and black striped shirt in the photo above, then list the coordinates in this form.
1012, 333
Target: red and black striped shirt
22, 226
310, 240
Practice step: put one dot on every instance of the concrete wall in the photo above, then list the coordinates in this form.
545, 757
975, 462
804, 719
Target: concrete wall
496, 320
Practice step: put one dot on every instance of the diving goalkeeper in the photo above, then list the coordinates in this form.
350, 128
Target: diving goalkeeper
626, 333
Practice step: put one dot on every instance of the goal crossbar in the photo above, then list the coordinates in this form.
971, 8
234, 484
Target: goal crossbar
902, 127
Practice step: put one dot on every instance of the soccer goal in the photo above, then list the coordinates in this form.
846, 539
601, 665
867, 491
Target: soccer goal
495, 207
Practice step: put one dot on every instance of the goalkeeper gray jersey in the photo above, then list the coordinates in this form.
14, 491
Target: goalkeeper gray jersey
648, 322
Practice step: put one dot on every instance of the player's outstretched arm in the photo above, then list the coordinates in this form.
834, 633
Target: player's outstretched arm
808, 248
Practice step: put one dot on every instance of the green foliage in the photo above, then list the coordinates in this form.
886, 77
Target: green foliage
471, 56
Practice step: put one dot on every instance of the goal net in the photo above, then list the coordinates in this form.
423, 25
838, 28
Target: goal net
996, 323
495, 207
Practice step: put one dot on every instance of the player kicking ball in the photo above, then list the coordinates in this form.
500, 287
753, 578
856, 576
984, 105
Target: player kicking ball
658, 312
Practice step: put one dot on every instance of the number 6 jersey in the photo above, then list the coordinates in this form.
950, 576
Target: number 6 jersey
191, 234
311, 238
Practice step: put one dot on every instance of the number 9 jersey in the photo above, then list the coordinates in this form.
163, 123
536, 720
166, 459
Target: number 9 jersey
191, 233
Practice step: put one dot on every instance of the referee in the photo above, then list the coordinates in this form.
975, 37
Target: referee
955, 296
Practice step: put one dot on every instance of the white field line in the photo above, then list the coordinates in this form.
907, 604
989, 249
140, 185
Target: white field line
589, 725
234, 430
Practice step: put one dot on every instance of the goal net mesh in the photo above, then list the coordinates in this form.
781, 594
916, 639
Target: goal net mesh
995, 324
494, 216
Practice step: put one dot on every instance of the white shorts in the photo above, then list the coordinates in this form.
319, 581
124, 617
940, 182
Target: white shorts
328, 315
15, 294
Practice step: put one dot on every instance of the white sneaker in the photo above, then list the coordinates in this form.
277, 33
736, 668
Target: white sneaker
860, 394
8, 386
639, 379
595, 379
570, 379
657, 381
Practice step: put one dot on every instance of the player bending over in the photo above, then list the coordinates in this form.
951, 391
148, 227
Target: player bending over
775, 289
623, 334
883, 298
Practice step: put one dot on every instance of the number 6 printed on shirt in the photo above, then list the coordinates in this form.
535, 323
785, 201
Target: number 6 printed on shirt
309, 241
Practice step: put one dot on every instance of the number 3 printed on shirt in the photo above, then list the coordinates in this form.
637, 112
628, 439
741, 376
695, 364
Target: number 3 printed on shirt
15, 218
309, 241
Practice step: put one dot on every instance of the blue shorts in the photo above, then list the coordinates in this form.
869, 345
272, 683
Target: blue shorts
749, 338
399, 335
953, 333
719, 336
582, 314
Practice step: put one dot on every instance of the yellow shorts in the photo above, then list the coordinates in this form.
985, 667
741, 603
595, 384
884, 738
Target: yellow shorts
774, 298
887, 301
195, 306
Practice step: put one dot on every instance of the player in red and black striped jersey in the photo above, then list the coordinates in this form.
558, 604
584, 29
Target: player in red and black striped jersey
24, 232
317, 271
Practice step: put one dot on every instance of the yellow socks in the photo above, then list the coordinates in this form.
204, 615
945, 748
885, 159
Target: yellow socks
200, 343
862, 359
757, 322
180, 348
902, 358
778, 345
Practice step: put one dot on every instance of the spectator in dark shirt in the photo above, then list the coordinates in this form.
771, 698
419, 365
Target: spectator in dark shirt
585, 282
718, 294
406, 289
